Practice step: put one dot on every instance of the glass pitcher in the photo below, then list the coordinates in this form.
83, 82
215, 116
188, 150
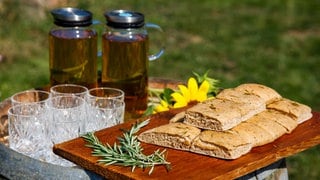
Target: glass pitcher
125, 57
73, 48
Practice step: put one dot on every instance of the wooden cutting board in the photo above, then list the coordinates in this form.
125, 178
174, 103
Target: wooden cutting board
187, 165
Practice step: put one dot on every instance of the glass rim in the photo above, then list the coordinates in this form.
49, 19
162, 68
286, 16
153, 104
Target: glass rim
11, 110
14, 100
121, 93
54, 90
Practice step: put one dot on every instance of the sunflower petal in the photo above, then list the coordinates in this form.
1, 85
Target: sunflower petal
179, 105
204, 87
193, 88
185, 92
201, 96
163, 106
160, 108
180, 100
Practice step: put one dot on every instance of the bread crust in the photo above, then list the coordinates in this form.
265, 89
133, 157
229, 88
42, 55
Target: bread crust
284, 120
293, 109
241, 96
225, 145
268, 94
256, 135
179, 117
272, 127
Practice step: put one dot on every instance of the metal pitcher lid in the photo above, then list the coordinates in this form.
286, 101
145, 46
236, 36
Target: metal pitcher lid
124, 19
71, 17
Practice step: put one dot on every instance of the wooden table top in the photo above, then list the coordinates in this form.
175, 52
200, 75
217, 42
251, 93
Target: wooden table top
188, 165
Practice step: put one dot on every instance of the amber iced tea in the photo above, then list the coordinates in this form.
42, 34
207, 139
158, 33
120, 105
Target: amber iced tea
125, 66
73, 59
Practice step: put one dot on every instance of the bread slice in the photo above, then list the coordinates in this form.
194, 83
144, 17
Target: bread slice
256, 135
272, 127
268, 94
215, 114
251, 104
220, 114
284, 120
223, 144
294, 109
174, 135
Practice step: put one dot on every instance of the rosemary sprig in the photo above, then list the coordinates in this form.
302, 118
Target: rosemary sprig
128, 152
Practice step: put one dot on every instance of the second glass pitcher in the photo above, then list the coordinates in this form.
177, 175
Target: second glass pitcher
125, 55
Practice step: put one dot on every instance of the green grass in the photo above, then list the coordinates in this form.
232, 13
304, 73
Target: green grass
276, 43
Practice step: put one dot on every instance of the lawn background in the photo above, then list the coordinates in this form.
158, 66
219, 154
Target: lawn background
276, 43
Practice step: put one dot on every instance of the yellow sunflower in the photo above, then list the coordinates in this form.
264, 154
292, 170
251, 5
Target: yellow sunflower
190, 93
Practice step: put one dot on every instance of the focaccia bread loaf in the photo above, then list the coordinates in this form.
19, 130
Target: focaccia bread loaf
229, 125
225, 145
268, 94
174, 135
294, 109
220, 114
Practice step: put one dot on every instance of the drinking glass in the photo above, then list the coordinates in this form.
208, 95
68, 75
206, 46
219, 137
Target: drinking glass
30, 96
68, 89
27, 132
106, 108
67, 122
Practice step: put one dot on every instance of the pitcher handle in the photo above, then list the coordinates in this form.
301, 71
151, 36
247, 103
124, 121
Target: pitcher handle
161, 51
